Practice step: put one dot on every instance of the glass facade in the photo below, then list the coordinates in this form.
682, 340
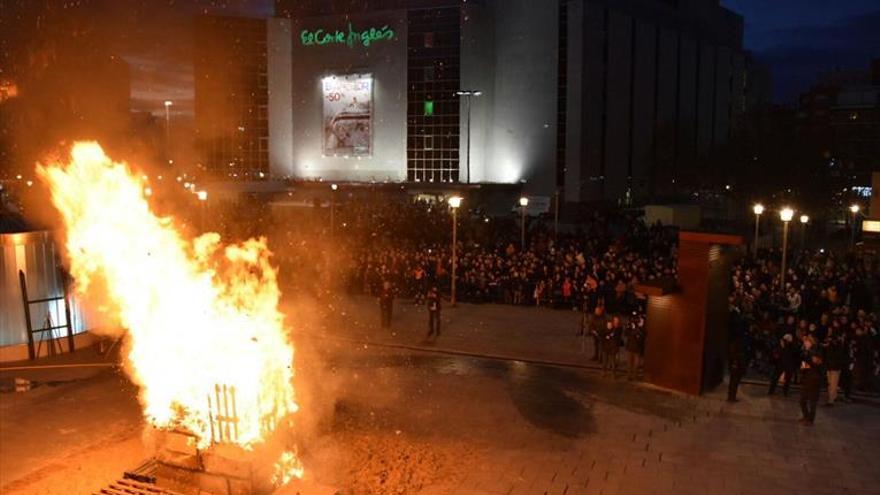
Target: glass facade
232, 96
433, 78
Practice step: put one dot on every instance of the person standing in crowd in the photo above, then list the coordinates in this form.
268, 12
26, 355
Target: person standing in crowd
611, 346
834, 363
785, 361
736, 351
597, 328
635, 346
386, 304
811, 374
433, 303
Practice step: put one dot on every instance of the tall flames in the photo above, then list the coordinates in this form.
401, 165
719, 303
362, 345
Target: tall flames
199, 315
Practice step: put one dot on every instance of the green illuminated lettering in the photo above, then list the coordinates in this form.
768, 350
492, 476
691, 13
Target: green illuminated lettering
351, 38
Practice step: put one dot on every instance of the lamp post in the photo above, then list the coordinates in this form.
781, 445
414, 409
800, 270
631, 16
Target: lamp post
203, 200
333, 189
523, 202
854, 209
468, 95
168, 104
454, 203
786, 214
556, 216
758, 209
805, 219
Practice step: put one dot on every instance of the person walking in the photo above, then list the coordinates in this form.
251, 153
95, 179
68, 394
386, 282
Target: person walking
812, 377
635, 346
785, 361
386, 304
835, 359
736, 352
433, 303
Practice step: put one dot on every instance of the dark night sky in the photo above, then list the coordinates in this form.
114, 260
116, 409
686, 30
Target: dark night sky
797, 38
800, 38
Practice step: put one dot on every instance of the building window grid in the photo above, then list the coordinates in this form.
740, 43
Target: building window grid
434, 72
243, 140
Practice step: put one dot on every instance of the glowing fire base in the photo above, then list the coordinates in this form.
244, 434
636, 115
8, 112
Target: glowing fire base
221, 469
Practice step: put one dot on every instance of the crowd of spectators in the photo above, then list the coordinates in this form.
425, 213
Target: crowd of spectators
826, 304
824, 308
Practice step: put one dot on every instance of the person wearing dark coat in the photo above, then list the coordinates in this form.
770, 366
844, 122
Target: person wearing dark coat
736, 352
386, 304
611, 338
785, 363
433, 303
835, 360
812, 378
635, 346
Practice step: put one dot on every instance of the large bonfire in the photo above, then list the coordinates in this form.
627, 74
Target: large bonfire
199, 316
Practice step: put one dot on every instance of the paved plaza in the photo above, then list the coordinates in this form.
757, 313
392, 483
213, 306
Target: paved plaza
381, 416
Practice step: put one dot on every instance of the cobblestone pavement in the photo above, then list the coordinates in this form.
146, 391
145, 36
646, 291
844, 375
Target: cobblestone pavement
467, 424
571, 431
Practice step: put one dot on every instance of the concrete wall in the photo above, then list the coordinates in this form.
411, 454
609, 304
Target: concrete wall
477, 57
280, 62
576, 174
387, 62
650, 93
522, 132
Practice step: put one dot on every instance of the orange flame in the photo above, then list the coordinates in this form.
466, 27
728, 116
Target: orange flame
198, 314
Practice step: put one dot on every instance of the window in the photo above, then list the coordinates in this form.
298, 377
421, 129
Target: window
429, 108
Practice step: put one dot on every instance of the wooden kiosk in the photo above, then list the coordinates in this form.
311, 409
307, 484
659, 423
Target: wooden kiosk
686, 344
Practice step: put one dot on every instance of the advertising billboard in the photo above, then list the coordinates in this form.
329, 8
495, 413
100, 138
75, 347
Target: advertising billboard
348, 115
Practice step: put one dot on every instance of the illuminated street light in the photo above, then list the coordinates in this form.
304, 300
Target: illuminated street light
523, 202
468, 95
334, 188
758, 209
786, 214
168, 104
148, 191
854, 209
203, 195
805, 219
455, 203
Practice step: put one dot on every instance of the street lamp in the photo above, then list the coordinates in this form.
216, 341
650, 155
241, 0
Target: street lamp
468, 94
786, 214
805, 219
454, 202
333, 189
758, 209
556, 217
854, 209
203, 200
523, 202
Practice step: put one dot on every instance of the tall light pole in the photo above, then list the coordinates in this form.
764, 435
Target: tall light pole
203, 200
468, 94
168, 104
556, 216
523, 202
854, 209
805, 219
454, 202
333, 189
786, 214
758, 209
